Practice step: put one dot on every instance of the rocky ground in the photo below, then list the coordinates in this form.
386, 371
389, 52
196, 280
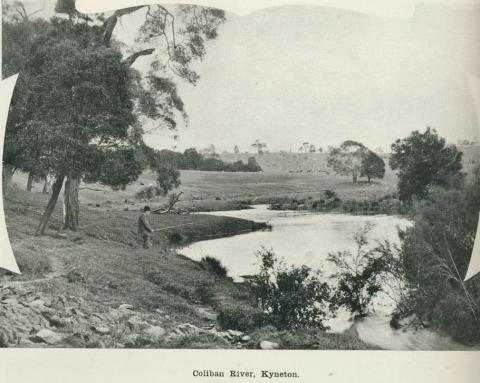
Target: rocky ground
29, 318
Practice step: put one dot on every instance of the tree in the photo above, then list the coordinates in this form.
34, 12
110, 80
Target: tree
435, 254
423, 160
259, 146
192, 159
80, 52
236, 150
347, 159
372, 166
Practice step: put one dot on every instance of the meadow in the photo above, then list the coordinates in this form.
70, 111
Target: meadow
206, 191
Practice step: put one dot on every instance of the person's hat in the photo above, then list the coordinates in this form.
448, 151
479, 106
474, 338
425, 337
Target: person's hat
146, 208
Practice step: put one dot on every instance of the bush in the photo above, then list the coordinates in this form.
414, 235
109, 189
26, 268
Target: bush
205, 292
148, 193
176, 238
243, 318
435, 255
360, 276
213, 265
290, 297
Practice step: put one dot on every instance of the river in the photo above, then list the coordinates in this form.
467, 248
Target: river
306, 238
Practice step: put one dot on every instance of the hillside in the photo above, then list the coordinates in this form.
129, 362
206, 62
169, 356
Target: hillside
317, 162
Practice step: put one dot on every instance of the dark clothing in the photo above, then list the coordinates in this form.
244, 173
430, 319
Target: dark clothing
144, 230
144, 227
147, 243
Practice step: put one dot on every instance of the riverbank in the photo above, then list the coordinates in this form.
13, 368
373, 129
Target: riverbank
97, 288
329, 202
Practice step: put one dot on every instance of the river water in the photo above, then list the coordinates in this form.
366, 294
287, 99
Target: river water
306, 238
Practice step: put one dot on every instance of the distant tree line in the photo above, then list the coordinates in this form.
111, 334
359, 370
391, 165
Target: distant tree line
191, 159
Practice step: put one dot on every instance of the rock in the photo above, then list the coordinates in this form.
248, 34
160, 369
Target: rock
37, 303
102, 330
235, 334
205, 314
125, 307
187, 329
75, 311
155, 332
130, 339
10, 301
55, 320
47, 336
246, 338
136, 323
267, 345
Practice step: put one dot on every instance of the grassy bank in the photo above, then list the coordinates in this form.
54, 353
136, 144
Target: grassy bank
86, 275
330, 202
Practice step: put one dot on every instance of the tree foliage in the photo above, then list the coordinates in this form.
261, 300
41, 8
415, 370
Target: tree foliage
435, 254
79, 106
360, 276
347, 159
290, 297
423, 160
372, 166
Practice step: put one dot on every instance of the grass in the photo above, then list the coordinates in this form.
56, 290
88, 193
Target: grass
213, 191
102, 265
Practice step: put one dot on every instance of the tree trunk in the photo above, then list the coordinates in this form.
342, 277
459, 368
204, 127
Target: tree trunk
369, 179
57, 186
71, 207
7, 174
354, 176
46, 186
30, 182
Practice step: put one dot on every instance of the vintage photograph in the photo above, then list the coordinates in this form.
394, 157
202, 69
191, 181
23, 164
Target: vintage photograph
177, 176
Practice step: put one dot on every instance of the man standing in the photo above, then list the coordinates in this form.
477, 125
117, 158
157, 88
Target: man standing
144, 228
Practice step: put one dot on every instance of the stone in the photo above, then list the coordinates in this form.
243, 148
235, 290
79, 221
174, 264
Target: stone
130, 339
125, 306
267, 345
136, 323
10, 301
187, 329
37, 303
246, 338
205, 314
155, 332
46, 336
102, 330
235, 333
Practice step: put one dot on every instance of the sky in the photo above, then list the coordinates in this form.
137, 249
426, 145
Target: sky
293, 74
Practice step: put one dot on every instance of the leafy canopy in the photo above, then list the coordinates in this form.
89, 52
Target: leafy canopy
424, 160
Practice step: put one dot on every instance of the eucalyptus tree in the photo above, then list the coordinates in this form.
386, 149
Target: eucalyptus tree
79, 109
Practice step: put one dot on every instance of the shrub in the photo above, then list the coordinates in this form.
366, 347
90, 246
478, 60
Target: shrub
176, 238
435, 254
213, 265
243, 318
359, 276
148, 192
290, 297
205, 292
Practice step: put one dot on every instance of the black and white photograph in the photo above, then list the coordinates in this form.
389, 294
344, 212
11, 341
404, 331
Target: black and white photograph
300, 177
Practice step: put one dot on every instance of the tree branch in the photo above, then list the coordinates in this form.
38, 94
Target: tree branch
111, 22
132, 58
175, 198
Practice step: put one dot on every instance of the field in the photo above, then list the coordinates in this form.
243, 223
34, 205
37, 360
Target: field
204, 191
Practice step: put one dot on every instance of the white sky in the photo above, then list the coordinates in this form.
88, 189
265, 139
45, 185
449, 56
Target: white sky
293, 74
